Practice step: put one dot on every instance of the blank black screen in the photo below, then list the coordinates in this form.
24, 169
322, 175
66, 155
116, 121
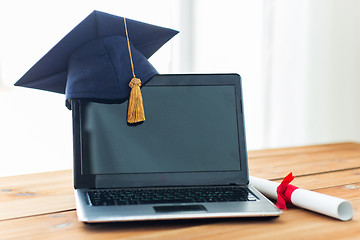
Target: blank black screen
187, 129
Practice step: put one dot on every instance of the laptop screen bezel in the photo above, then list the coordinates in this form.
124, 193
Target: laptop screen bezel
239, 177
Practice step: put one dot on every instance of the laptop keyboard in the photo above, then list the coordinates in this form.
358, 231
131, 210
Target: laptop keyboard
169, 195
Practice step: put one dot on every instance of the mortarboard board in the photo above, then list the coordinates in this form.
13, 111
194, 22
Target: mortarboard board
94, 60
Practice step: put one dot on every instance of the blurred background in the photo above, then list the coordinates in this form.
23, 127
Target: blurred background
299, 61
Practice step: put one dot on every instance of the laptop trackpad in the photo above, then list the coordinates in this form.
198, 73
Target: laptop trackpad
180, 208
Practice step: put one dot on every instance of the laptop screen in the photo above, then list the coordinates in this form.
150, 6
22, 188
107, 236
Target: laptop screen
187, 129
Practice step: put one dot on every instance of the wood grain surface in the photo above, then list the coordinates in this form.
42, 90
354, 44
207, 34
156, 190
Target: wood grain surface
41, 206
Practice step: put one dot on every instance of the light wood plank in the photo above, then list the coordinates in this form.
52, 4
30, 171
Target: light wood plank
32, 194
326, 180
349, 192
303, 164
310, 165
304, 149
293, 223
15, 206
66, 226
52, 192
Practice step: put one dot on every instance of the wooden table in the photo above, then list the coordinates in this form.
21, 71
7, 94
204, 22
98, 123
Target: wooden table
41, 206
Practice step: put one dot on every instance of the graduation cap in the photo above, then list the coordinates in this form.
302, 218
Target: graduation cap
98, 59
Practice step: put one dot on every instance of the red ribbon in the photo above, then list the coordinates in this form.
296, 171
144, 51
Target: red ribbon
284, 191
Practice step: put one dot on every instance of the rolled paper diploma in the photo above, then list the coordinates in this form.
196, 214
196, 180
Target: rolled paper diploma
317, 202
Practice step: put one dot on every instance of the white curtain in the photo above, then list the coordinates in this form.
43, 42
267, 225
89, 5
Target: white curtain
35, 126
300, 63
312, 72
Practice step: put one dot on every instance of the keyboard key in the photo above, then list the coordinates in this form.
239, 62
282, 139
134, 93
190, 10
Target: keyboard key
169, 195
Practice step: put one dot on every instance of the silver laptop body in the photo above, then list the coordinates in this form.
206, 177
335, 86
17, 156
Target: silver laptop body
193, 140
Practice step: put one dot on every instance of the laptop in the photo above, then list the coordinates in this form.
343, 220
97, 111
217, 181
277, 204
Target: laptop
187, 160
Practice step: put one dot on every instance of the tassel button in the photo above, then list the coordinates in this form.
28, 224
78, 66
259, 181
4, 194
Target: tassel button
135, 82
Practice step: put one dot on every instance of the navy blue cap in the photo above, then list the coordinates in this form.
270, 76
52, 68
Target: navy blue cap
92, 61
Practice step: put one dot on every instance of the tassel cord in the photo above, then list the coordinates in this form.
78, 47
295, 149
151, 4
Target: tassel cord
135, 108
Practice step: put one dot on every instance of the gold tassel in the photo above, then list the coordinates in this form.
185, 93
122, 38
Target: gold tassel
136, 108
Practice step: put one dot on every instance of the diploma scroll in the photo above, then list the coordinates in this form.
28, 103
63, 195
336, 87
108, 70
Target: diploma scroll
317, 202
